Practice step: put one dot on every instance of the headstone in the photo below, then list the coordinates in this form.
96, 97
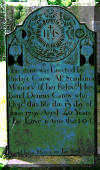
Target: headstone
51, 85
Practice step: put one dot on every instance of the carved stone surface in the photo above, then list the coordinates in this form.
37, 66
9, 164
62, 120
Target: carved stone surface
51, 85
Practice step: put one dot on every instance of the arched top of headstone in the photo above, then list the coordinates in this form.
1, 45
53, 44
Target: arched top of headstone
51, 33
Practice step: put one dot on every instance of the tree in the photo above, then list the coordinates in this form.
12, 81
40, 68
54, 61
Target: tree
60, 2
17, 15
19, 7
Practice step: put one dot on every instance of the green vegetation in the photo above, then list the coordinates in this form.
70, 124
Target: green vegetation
19, 7
16, 0
98, 88
51, 2
60, 2
3, 158
19, 14
2, 46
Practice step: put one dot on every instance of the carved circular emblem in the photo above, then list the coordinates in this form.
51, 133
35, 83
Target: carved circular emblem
51, 33
79, 33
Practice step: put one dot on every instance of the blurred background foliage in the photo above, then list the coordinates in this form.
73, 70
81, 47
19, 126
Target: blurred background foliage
19, 14
16, 0
2, 30
60, 2
50, 2
20, 11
